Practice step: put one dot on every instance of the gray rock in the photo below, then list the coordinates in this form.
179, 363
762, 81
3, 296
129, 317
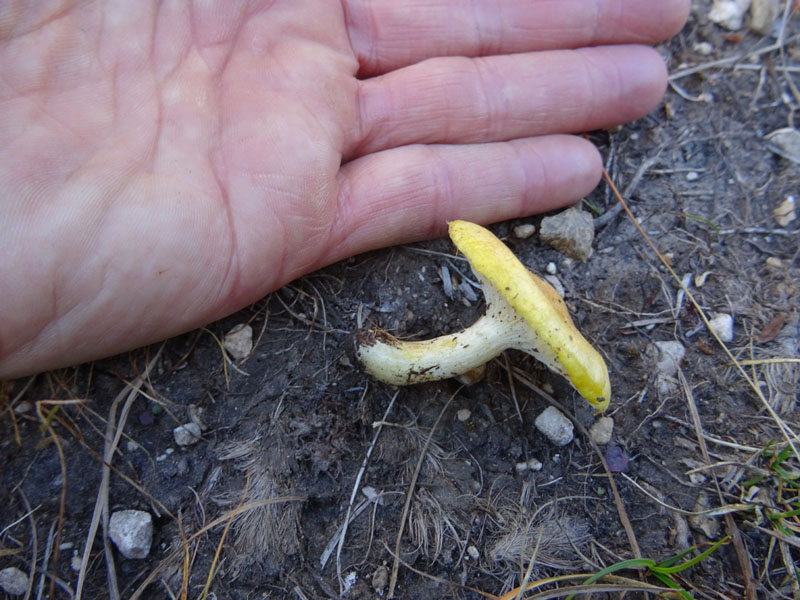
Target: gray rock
186, 435
132, 532
13, 581
555, 426
668, 356
571, 232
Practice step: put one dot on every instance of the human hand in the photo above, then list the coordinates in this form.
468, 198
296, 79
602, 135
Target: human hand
165, 164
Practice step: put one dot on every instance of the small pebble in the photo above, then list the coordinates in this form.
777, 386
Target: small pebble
774, 262
551, 268
601, 430
369, 492
380, 579
692, 176
473, 552
13, 581
555, 426
528, 465
23, 407
464, 414
669, 355
132, 532
785, 213
524, 231
703, 48
239, 341
722, 325
186, 435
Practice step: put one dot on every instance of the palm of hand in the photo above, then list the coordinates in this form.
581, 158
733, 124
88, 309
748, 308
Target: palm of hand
192, 156
164, 167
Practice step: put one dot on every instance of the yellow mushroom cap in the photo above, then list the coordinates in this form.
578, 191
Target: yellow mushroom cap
540, 306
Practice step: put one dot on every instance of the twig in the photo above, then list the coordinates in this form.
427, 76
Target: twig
34, 542
411, 485
733, 530
101, 504
354, 492
227, 528
615, 210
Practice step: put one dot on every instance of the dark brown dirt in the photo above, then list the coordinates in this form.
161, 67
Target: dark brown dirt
295, 421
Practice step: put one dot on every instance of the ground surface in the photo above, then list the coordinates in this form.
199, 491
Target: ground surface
289, 427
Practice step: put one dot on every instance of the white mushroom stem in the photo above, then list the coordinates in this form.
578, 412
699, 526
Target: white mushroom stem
399, 362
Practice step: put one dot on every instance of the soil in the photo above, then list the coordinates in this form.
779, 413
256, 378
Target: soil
296, 437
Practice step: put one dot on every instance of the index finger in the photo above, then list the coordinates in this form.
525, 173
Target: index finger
388, 34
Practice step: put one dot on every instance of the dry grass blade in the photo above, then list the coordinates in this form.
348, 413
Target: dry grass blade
213, 567
733, 530
356, 486
112, 437
411, 485
47, 423
221, 520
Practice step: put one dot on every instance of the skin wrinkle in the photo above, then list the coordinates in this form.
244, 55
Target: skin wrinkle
523, 175
45, 20
488, 79
441, 181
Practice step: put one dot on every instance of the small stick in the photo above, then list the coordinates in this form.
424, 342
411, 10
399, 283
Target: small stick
412, 484
356, 485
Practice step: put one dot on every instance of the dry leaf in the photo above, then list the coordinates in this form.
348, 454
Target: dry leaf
771, 331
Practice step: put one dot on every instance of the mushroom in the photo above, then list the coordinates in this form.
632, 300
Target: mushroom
523, 312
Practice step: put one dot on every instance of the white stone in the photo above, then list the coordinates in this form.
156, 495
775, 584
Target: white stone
524, 231
132, 532
13, 581
551, 268
464, 414
785, 213
668, 356
763, 14
774, 262
239, 341
729, 13
528, 465
722, 325
473, 552
601, 430
186, 435
555, 426
692, 176
703, 48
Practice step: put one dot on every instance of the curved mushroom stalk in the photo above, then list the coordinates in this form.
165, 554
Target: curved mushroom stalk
523, 312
